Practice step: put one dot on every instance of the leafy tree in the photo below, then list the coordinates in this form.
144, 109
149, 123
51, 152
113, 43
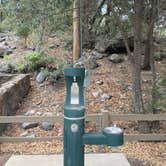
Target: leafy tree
41, 16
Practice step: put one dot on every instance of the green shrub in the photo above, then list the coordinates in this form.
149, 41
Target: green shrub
21, 68
8, 59
34, 60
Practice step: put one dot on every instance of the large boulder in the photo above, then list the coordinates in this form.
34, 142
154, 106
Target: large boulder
116, 58
114, 45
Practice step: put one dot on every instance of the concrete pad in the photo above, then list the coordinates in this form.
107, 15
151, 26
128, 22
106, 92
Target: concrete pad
108, 159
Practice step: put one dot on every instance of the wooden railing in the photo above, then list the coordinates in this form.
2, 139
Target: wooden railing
105, 117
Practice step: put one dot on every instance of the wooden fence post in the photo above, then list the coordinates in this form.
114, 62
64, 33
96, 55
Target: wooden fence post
105, 118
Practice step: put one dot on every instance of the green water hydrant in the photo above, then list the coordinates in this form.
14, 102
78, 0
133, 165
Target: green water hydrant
74, 117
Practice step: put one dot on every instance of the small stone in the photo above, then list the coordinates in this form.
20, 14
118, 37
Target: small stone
47, 126
39, 113
39, 102
116, 58
31, 136
105, 97
2, 39
31, 48
13, 47
100, 82
9, 51
95, 94
48, 114
2, 51
28, 125
6, 68
24, 134
41, 85
30, 113
52, 46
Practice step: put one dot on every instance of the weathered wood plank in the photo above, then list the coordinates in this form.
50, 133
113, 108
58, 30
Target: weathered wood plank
128, 138
90, 117
28, 139
138, 117
145, 137
40, 119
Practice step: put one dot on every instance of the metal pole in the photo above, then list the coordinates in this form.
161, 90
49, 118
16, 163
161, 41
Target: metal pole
74, 116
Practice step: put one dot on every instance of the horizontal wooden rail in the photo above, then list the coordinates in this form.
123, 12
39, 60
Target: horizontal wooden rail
90, 117
28, 139
137, 117
40, 119
128, 137
106, 118
145, 137
37, 119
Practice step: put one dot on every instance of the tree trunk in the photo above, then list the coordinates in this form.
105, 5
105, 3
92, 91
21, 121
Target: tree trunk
146, 63
136, 63
149, 39
76, 31
86, 25
121, 27
154, 124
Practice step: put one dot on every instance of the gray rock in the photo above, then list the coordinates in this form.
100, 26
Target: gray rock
31, 136
2, 39
48, 114
116, 58
28, 125
47, 126
52, 35
95, 94
2, 35
97, 55
31, 48
99, 82
9, 51
6, 43
93, 63
2, 51
5, 68
41, 77
105, 97
13, 47
24, 134
162, 92
39, 113
30, 113
52, 46
101, 46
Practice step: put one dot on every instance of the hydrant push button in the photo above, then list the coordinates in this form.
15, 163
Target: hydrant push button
74, 127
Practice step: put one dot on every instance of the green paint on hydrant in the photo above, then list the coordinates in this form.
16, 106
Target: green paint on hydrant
74, 117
